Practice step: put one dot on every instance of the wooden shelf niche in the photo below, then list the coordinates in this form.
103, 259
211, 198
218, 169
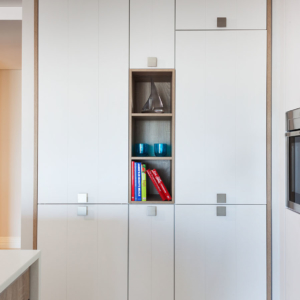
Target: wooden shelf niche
153, 128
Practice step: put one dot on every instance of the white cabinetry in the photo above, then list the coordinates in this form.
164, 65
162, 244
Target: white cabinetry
221, 117
203, 14
152, 32
220, 257
84, 257
151, 253
83, 91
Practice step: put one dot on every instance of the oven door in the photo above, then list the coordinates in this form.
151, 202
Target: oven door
293, 170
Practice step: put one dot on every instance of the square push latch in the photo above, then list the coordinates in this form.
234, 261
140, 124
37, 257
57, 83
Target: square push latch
221, 198
151, 211
82, 198
221, 22
221, 211
152, 62
82, 211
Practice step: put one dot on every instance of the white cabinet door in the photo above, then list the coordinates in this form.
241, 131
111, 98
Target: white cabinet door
151, 253
82, 253
220, 257
152, 32
52, 241
83, 99
219, 149
203, 14
113, 100
112, 252
84, 257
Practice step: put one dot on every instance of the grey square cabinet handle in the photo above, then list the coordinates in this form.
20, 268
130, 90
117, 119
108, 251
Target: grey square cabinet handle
221, 198
221, 211
221, 22
151, 211
82, 211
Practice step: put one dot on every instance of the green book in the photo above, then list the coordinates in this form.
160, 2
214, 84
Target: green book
144, 183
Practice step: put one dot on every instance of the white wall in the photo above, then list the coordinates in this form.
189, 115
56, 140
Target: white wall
27, 124
10, 158
286, 96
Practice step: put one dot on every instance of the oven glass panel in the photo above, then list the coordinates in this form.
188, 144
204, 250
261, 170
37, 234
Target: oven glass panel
294, 169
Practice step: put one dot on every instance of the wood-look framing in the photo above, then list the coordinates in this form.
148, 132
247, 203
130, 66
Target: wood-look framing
36, 103
269, 149
172, 114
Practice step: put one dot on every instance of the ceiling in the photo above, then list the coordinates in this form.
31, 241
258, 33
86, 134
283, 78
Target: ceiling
10, 44
10, 3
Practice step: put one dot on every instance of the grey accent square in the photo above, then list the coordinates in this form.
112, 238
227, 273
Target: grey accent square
221, 211
152, 62
151, 211
221, 22
221, 198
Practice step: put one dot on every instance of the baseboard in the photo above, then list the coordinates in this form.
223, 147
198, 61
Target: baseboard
10, 242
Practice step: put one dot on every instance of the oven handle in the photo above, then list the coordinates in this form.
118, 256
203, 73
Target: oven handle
293, 133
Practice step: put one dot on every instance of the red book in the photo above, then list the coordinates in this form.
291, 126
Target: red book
162, 195
132, 181
161, 184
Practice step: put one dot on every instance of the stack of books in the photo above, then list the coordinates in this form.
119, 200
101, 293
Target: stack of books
139, 183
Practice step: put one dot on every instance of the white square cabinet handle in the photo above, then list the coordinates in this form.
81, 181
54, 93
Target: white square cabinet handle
151, 211
82, 211
82, 198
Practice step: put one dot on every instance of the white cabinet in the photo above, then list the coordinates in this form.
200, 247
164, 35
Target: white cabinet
220, 257
152, 32
220, 149
83, 96
203, 14
84, 257
151, 253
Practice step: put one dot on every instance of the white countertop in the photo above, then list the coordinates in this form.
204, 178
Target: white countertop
13, 263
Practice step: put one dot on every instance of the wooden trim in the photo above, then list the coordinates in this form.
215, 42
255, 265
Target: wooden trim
161, 74
36, 89
269, 149
19, 289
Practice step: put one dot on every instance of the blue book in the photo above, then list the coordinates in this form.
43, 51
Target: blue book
135, 181
139, 182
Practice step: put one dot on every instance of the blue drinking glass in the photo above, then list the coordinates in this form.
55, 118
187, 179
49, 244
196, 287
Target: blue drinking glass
141, 149
160, 149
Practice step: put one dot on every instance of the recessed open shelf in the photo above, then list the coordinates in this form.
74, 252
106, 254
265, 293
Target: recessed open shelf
151, 128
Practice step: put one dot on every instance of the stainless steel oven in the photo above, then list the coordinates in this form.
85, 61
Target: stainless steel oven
293, 159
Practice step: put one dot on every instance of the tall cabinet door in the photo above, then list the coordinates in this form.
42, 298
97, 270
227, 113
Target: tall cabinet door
203, 14
220, 257
112, 252
68, 100
217, 144
151, 253
152, 33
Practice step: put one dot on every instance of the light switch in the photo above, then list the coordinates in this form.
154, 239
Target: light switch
152, 62
151, 211
221, 211
82, 198
82, 211
221, 22
221, 198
